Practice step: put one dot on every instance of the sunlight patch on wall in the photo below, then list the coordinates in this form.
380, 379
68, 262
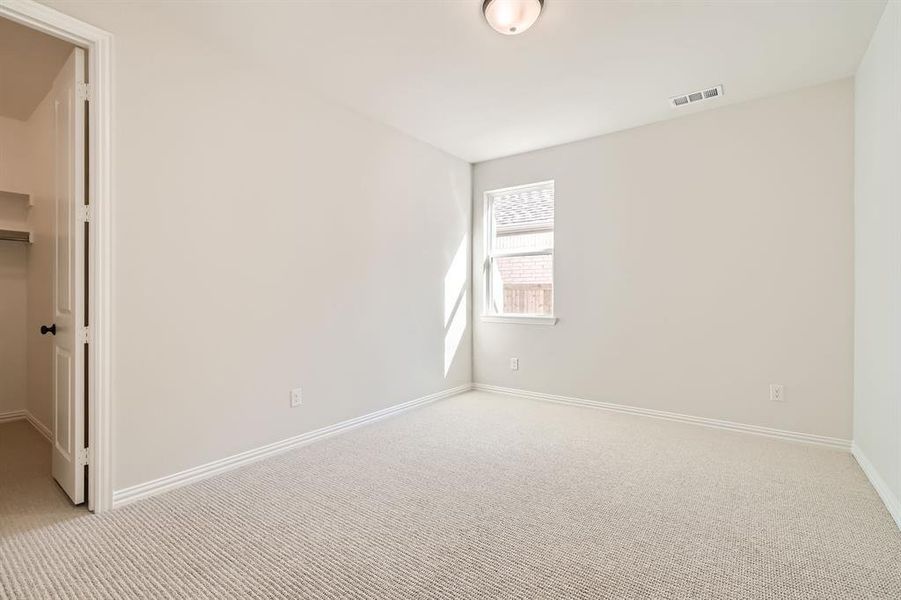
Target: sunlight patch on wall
455, 320
455, 281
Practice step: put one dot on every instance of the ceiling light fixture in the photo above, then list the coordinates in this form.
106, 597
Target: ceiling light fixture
511, 16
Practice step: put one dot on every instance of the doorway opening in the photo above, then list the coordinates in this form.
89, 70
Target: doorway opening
54, 261
43, 244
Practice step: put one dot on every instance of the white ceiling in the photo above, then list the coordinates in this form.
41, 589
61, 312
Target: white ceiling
435, 70
29, 62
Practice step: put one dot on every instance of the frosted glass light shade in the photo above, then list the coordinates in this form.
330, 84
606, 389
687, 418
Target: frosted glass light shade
511, 16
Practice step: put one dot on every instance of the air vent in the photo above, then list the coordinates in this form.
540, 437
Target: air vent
684, 99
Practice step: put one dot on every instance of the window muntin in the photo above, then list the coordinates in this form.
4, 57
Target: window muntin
520, 250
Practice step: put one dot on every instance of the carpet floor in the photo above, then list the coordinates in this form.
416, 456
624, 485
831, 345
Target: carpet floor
478, 496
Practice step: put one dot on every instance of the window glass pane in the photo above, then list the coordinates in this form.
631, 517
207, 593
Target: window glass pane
535, 240
524, 219
523, 284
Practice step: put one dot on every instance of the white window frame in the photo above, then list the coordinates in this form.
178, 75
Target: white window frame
490, 254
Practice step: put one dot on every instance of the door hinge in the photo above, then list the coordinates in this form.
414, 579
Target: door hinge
84, 91
84, 335
85, 456
86, 213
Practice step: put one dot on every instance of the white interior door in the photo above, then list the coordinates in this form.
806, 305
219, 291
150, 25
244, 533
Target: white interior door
69, 455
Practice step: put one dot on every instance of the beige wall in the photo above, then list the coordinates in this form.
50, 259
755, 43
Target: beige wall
40, 263
13, 163
13, 267
13, 299
232, 185
26, 166
698, 261
877, 366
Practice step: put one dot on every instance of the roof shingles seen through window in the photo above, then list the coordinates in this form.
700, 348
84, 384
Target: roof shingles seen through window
525, 209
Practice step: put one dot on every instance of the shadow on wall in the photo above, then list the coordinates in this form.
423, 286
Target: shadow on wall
455, 304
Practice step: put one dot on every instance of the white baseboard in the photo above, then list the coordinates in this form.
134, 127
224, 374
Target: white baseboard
42, 429
12, 415
794, 436
170, 482
891, 501
24, 415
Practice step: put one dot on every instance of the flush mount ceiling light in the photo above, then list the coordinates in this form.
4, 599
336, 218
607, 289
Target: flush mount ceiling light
511, 16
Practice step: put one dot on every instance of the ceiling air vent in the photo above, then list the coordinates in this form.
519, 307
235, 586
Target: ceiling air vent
684, 99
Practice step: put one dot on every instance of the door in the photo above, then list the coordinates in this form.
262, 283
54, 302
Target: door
69, 454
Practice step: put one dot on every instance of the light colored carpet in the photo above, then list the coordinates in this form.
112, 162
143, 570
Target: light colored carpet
481, 496
29, 497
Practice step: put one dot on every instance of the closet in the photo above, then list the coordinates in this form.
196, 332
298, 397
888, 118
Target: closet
39, 168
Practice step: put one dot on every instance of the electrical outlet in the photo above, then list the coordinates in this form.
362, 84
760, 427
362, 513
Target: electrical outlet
296, 397
777, 393
514, 364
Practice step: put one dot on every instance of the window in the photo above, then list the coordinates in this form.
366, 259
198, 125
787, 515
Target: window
519, 254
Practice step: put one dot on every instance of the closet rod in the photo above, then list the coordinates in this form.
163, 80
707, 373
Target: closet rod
10, 235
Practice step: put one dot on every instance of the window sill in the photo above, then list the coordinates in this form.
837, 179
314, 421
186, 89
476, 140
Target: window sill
520, 319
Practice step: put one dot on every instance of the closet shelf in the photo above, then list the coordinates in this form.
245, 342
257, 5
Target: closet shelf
13, 235
17, 196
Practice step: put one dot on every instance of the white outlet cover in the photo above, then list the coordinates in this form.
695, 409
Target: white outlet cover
777, 393
296, 397
514, 364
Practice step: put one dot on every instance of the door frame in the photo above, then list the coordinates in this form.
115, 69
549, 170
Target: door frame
99, 47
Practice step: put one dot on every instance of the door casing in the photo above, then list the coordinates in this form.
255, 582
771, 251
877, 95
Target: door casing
98, 45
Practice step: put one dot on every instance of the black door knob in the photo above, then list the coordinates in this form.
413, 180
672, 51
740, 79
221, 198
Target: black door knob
45, 330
